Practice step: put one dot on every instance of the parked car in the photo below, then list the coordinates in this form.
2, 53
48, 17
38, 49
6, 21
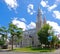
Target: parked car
4, 46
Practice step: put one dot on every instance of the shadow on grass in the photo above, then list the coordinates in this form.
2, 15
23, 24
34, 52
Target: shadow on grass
33, 49
42, 49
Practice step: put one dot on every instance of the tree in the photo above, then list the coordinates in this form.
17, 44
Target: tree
54, 41
3, 33
14, 31
43, 34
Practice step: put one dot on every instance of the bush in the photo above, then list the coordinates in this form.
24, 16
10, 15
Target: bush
2, 43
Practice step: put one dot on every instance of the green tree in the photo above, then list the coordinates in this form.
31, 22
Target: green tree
14, 31
44, 33
54, 41
3, 33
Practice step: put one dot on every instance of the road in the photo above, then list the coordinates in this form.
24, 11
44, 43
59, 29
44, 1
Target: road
10, 52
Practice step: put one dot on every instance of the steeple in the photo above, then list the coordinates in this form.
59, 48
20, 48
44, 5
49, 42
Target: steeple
39, 15
44, 20
39, 22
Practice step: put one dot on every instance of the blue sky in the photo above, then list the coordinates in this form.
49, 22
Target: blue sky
23, 13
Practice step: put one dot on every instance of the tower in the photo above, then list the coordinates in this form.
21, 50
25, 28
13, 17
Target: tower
44, 20
39, 21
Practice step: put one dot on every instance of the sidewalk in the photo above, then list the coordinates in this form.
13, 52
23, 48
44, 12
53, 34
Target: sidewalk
4, 50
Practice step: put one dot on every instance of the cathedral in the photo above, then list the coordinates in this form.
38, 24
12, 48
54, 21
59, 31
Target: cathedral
30, 37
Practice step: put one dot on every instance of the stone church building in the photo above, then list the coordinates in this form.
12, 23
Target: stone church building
30, 37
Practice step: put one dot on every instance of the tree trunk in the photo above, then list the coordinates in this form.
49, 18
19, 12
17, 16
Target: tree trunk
12, 43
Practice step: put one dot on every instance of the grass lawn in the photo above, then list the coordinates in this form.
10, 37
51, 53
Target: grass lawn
29, 49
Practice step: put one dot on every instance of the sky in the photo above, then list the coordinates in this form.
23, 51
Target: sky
23, 13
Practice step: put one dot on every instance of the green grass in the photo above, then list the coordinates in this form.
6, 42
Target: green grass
33, 49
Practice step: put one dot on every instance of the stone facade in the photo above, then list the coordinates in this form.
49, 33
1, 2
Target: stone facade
30, 37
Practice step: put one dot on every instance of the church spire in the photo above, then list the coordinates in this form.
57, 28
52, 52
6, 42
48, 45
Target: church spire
39, 15
44, 20
39, 22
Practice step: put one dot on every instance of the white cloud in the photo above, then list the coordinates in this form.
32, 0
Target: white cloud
44, 3
52, 7
30, 9
23, 19
31, 25
23, 25
11, 4
19, 24
57, 0
56, 14
55, 26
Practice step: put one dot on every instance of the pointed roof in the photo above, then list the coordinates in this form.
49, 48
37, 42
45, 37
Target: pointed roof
39, 11
39, 15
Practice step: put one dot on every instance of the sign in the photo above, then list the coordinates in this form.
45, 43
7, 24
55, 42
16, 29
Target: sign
49, 38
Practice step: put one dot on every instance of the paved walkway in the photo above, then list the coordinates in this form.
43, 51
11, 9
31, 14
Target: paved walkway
10, 52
